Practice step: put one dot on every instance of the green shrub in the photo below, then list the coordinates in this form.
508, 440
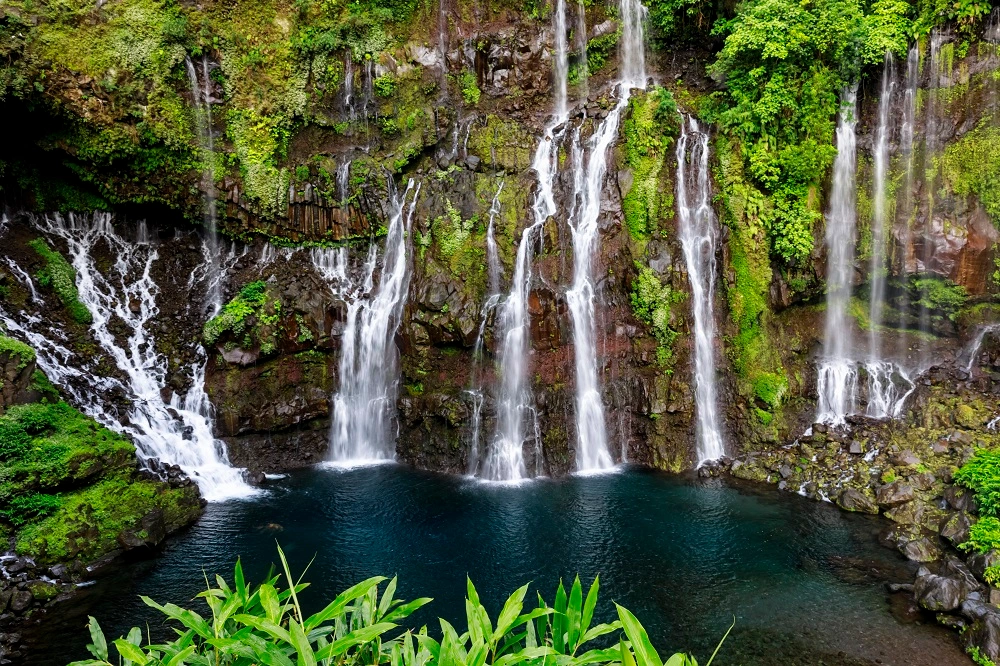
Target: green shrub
27, 508
265, 625
251, 318
981, 474
61, 277
984, 536
651, 302
15, 348
470, 87
942, 297
14, 440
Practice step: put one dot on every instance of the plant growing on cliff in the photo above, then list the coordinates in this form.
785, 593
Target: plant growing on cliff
252, 317
469, 86
981, 475
61, 277
264, 624
651, 302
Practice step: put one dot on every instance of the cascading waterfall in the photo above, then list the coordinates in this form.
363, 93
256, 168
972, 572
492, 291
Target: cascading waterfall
885, 378
698, 239
592, 446
515, 399
837, 376
906, 133
201, 94
369, 363
177, 432
476, 391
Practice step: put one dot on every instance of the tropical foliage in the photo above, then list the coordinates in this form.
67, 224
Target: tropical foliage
264, 624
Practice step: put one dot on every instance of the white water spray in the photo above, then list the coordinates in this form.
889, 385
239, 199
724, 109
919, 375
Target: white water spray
178, 431
369, 362
837, 379
698, 238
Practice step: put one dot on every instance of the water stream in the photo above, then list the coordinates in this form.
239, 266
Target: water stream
177, 430
698, 238
363, 406
837, 375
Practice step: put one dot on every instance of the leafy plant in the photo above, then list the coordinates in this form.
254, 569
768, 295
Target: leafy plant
470, 87
61, 277
651, 301
265, 625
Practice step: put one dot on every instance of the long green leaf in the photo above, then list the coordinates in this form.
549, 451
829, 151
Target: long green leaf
265, 625
269, 602
724, 637
574, 613
98, 645
304, 651
559, 620
405, 610
357, 637
130, 652
387, 598
511, 609
645, 654
337, 606
588, 607
188, 618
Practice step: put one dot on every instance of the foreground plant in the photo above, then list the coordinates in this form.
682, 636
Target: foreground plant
265, 625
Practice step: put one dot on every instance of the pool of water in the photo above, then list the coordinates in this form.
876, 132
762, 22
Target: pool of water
803, 580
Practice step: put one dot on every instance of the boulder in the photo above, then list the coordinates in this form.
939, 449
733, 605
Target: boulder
911, 513
905, 458
984, 632
853, 499
894, 494
956, 528
21, 601
979, 562
941, 593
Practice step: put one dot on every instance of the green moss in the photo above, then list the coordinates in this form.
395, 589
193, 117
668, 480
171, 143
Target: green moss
755, 359
649, 129
651, 303
17, 349
469, 86
251, 319
972, 166
89, 522
61, 277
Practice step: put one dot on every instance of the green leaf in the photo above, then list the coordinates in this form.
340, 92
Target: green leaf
387, 597
337, 606
405, 610
509, 613
588, 607
724, 637
645, 654
130, 652
265, 625
189, 619
99, 645
306, 657
355, 638
269, 602
574, 613
559, 620
179, 658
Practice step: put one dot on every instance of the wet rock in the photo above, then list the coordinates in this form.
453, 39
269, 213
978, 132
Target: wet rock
912, 543
943, 593
910, 513
852, 499
984, 632
956, 528
905, 458
856, 448
959, 499
923, 482
894, 494
21, 601
980, 562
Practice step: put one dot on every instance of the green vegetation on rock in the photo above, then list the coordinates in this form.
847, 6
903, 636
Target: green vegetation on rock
69, 487
251, 319
651, 303
649, 130
15, 348
61, 277
971, 165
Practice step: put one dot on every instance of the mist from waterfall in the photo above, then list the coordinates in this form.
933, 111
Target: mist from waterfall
837, 375
698, 233
365, 401
177, 431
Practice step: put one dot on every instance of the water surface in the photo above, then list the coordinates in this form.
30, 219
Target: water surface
803, 579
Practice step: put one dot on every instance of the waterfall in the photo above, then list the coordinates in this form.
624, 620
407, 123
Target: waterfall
906, 133
178, 431
592, 445
349, 84
698, 237
515, 399
885, 396
369, 362
476, 392
201, 94
977, 342
343, 179
837, 375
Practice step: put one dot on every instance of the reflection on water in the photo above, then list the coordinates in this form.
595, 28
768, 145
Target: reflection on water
685, 556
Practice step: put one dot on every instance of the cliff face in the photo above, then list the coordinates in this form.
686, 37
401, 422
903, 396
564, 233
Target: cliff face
314, 109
